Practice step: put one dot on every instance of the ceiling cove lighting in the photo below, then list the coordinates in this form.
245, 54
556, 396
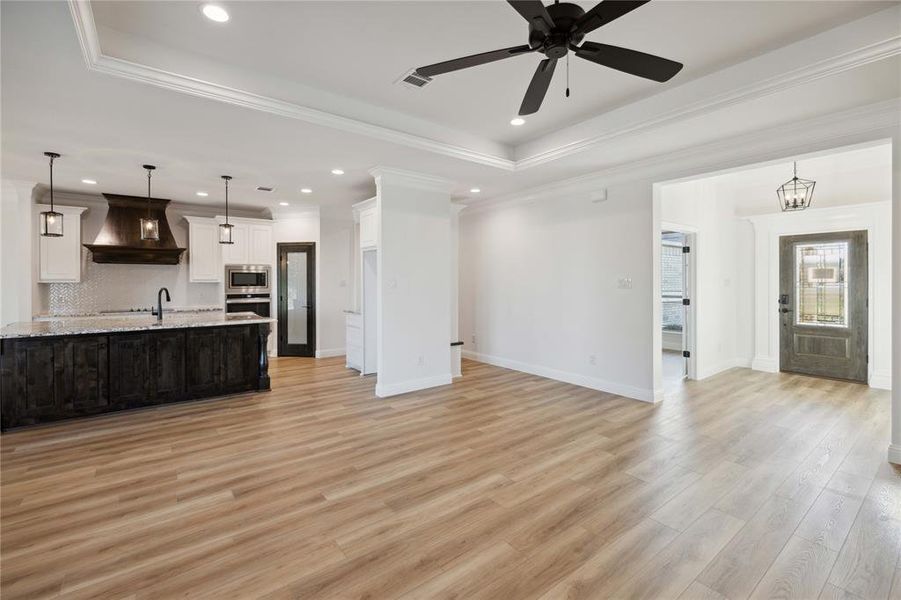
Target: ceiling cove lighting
306, 191
89, 181
51, 222
337, 172
475, 190
283, 204
517, 121
214, 12
796, 193
225, 229
202, 194
150, 227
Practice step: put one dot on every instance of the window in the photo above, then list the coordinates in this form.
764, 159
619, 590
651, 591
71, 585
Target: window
821, 273
671, 285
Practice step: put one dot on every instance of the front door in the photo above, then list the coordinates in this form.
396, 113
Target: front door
823, 304
296, 299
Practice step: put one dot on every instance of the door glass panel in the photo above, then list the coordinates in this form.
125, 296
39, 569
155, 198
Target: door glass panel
821, 276
297, 296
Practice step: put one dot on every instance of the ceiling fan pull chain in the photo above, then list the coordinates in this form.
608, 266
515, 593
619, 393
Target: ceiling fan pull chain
567, 74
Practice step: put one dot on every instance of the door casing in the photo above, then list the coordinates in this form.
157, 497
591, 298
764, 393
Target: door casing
856, 367
284, 348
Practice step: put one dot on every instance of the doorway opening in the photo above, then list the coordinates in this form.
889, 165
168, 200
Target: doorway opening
823, 300
297, 299
676, 272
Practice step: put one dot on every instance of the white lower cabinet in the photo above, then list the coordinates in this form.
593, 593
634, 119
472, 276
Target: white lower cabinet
354, 340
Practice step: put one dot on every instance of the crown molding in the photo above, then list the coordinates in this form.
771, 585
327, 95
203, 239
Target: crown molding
869, 123
96, 61
88, 39
818, 70
411, 179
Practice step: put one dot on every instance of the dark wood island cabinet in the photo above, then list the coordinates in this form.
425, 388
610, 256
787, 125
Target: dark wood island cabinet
46, 376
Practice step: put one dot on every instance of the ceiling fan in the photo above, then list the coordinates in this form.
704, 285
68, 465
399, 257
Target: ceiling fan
555, 30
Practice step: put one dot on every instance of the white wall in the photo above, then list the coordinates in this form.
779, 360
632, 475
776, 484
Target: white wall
414, 259
539, 288
335, 290
17, 280
723, 273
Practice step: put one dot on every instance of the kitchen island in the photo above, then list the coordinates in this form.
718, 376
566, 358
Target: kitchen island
66, 368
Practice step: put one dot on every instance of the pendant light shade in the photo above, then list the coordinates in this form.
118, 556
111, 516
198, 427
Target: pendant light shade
150, 228
51, 222
796, 193
226, 229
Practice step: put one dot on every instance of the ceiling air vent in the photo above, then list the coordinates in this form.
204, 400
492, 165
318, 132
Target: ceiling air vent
263, 188
412, 79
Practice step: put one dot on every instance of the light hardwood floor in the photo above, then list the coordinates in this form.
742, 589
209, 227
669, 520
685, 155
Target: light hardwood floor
504, 485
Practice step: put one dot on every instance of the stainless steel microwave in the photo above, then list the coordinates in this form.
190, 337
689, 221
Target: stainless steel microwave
248, 279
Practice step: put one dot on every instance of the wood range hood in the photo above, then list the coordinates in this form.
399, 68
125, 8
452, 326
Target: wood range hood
119, 240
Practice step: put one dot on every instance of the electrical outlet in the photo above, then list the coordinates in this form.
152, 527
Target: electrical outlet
421, 360
592, 360
624, 283
473, 338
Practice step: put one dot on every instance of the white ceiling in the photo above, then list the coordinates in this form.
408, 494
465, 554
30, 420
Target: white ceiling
107, 126
843, 177
359, 49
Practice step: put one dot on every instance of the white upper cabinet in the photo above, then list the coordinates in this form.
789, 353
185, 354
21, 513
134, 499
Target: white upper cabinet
60, 257
261, 248
204, 250
253, 242
369, 224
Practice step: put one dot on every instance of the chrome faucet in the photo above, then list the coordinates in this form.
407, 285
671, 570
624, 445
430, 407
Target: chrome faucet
159, 302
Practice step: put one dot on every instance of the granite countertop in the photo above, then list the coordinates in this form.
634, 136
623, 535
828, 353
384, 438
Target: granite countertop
97, 325
140, 311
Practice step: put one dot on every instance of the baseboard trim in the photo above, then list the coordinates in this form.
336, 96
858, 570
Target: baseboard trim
383, 390
761, 363
329, 352
894, 454
881, 381
594, 383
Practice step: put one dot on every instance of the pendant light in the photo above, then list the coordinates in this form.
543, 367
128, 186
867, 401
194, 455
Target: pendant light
51, 221
796, 193
225, 229
150, 227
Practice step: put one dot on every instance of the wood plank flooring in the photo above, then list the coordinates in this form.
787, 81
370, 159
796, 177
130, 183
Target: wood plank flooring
503, 485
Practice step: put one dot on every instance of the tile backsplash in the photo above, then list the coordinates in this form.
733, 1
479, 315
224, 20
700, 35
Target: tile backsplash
123, 287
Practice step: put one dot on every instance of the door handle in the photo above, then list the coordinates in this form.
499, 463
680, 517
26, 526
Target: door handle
785, 310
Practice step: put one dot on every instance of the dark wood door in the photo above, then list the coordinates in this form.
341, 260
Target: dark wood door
203, 376
86, 379
167, 383
29, 370
823, 284
239, 358
130, 369
297, 299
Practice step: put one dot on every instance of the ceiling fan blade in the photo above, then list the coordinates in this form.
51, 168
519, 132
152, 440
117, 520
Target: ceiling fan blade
472, 61
603, 13
538, 87
534, 11
628, 61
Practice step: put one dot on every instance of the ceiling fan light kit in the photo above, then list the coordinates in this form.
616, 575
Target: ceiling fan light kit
556, 30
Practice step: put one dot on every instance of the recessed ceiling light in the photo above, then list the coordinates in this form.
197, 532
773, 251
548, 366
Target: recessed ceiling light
475, 190
306, 191
89, 181
517, 121
283, 204
337, 172
202, 194
214, 12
